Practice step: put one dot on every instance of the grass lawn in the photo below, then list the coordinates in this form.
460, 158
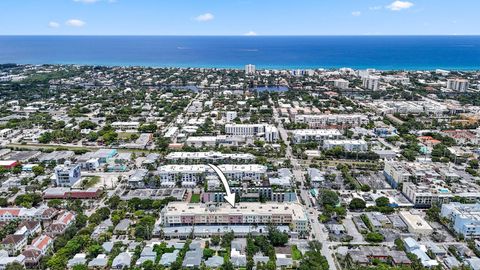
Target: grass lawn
195, 198
90, 181
296, 254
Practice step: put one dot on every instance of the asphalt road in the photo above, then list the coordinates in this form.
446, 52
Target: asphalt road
318, 229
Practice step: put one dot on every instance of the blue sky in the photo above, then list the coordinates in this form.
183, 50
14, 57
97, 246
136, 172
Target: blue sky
239, 17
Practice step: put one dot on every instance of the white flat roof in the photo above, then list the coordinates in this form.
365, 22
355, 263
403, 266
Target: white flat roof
315, 132
244, 208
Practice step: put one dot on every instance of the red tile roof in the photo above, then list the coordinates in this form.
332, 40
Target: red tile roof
41, 242
12, 211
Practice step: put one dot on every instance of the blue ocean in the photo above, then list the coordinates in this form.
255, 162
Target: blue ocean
273, 52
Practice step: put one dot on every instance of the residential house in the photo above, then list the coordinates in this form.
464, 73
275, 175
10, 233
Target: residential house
101, 228
29, 228
148, 254
214, 262
32, 257
6, 260
107, 246
14, 243
16, 213
193, 258
40, 247
122, 260
78, 259
42, 243
100, 262
237, 254
283, 261
48, 215
61, 224
168, 258
122, 226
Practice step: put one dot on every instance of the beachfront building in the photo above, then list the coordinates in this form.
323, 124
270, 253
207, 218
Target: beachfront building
250, 69
460, 85
370, 82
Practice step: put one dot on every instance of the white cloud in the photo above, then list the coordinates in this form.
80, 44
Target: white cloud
250, 33
399, 5
375, 8
53, 24
205, 17
356, 13
75, 23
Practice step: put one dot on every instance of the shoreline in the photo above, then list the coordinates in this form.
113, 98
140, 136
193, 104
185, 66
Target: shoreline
241, 67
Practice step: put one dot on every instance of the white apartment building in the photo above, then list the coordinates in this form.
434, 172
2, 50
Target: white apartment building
396, 173
348, 145
250, 69
397, 79
244, 129
171, 133
230, 116
211, 157
245, 213
224, 140
366, 72
15, 213
170, 174
319, 135
67, 175
460, 85
192, 174
269, 132
242, 172
371, 82
424, 195
341, 84
126, 125
415, 223
329, 120
199, 141
404, 107
465, 218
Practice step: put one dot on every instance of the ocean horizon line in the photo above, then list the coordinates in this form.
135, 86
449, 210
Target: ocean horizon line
246, 36
242, 67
